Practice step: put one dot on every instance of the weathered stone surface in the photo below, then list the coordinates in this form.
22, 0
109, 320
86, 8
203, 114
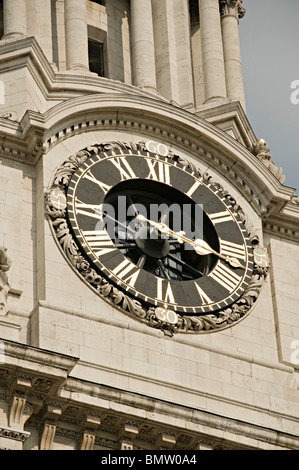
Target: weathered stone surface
75, 371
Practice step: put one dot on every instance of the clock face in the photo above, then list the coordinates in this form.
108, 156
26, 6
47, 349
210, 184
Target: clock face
159, 232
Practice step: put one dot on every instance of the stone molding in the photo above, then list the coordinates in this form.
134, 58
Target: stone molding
107, 291
16, 435
58, 405
59, 86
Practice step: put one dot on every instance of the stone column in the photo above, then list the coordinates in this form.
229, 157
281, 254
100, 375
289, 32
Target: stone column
143, 49
76, 36
14, 12
45, 33
212, 50
231, 11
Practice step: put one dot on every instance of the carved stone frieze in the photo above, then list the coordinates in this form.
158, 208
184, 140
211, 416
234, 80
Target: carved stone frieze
16, 435
55, 205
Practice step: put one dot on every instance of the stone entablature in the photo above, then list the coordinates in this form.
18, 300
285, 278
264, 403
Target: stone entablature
52, 409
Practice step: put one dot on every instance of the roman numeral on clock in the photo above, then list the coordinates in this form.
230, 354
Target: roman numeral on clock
232, 249
90, 176
123, 167
127, 268
220, 217
99, 242
193, 188
205, 299
225, 277
159, 171
91, 210
164, 294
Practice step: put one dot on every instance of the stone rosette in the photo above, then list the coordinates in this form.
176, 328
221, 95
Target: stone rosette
55, 208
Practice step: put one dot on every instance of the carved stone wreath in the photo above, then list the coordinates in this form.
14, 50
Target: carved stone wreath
55, 204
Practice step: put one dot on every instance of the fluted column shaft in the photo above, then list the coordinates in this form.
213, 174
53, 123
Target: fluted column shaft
231, 12
14, 12
212, 50
143, 50
76, 36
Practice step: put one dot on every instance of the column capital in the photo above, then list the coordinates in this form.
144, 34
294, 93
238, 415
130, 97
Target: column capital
232, 7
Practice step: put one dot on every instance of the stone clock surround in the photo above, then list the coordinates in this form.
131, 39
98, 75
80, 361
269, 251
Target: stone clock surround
238, 385
103, 121
70, 249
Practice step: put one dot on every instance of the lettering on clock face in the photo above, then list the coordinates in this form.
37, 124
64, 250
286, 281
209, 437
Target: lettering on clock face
226, 277
99, 242
104, 187
164, 291
235, 250
221, 217
125, 170
193, 188
165, 270
205, 299
127, 272
159, 171
90, 210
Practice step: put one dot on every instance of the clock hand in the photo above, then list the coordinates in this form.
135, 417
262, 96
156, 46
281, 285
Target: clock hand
201, 247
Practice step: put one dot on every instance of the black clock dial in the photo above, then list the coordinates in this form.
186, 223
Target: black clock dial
152, 251
159, 232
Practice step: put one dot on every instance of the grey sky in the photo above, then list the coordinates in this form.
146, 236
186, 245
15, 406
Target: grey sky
269, 35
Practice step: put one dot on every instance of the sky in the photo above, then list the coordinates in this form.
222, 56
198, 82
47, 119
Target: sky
269, 35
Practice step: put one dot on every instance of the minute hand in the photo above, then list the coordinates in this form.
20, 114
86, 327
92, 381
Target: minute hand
201, 247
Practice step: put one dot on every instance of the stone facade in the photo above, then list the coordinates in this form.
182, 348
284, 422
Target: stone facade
78, 371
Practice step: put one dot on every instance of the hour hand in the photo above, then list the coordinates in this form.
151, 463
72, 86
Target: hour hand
163, 228
202, 248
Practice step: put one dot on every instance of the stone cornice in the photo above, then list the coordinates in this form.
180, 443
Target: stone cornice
14, 434
157, 411
32, 358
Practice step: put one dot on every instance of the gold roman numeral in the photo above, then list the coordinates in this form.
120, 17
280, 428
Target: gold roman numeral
220, 217
99, 242
159, 171
123, 167
193, 189
225, 277
205, 299
91, 210
232, 249
164, 294
127, 268
104, 187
